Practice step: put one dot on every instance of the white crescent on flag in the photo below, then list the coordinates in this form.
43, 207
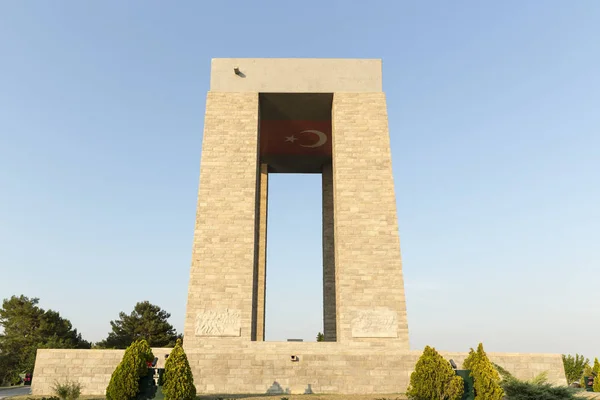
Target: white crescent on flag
322, 138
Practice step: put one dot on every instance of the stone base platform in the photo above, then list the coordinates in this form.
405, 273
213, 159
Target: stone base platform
292, 367
92, 368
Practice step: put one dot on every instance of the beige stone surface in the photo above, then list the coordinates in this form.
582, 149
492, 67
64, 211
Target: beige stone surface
589, 395
260, 267
296, 75
253, 368
92, 368
367, 244
329, 275
223, 254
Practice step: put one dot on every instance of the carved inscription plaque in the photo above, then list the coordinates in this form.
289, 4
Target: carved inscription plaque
375, 323
218, 323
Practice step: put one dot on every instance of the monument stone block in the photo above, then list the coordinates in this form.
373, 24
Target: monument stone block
282, 116
218, 323
375, 323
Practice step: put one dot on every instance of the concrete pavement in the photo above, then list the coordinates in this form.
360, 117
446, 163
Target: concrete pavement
15, 391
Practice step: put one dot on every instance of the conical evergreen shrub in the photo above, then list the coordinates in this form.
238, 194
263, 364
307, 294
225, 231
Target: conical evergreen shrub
486, 380
125, 380
596, 370
434, 379
470, 360
178, 383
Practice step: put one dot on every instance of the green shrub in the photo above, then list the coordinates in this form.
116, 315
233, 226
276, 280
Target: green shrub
520, 390
434, 379
540, 379
574, 367
178, 381
486, 380
504, 374
125, 380
44, 398
596, 373
68, 390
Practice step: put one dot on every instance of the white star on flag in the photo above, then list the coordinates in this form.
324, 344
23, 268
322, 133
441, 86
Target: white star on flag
291, 138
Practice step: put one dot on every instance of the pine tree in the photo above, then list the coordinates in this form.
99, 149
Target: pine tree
125, 380
27, 327
146, 321
434, 379
486, 380
178, 381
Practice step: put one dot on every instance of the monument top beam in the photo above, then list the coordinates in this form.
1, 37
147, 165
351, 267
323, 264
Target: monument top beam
295, 75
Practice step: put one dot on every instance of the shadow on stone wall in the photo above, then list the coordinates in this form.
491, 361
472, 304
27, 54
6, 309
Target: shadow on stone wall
275, 390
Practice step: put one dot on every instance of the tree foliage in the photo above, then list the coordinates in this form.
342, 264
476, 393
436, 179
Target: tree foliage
178, 381
596, 374
574, 367
320, 337
434, 379
147, 321
27, 327
486, 380
125, 380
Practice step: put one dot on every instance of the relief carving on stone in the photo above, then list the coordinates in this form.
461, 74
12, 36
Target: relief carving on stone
218, 323
375, 323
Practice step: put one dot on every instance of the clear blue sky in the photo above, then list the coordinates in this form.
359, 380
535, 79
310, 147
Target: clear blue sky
495, 127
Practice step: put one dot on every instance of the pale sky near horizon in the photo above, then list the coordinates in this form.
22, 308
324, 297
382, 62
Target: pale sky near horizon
495, 132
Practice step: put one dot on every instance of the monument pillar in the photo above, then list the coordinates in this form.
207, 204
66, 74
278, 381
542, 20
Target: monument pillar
220, 294
260, 267
329, 292
370, 302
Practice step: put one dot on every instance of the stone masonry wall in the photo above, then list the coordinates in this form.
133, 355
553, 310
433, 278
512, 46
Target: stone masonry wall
92, 368
260, 268
325, 366
221, 276
367, 244
329, 275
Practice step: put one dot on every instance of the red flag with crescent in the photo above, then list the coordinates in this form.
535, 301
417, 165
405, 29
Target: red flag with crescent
293, 137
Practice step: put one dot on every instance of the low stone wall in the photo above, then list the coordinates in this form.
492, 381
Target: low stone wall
260, 367
523, 365
92, 368
333, 368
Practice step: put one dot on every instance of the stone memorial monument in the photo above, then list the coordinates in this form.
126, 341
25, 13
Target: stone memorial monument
282, 116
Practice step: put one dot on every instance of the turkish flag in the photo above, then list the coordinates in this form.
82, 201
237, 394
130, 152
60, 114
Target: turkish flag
294, 137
